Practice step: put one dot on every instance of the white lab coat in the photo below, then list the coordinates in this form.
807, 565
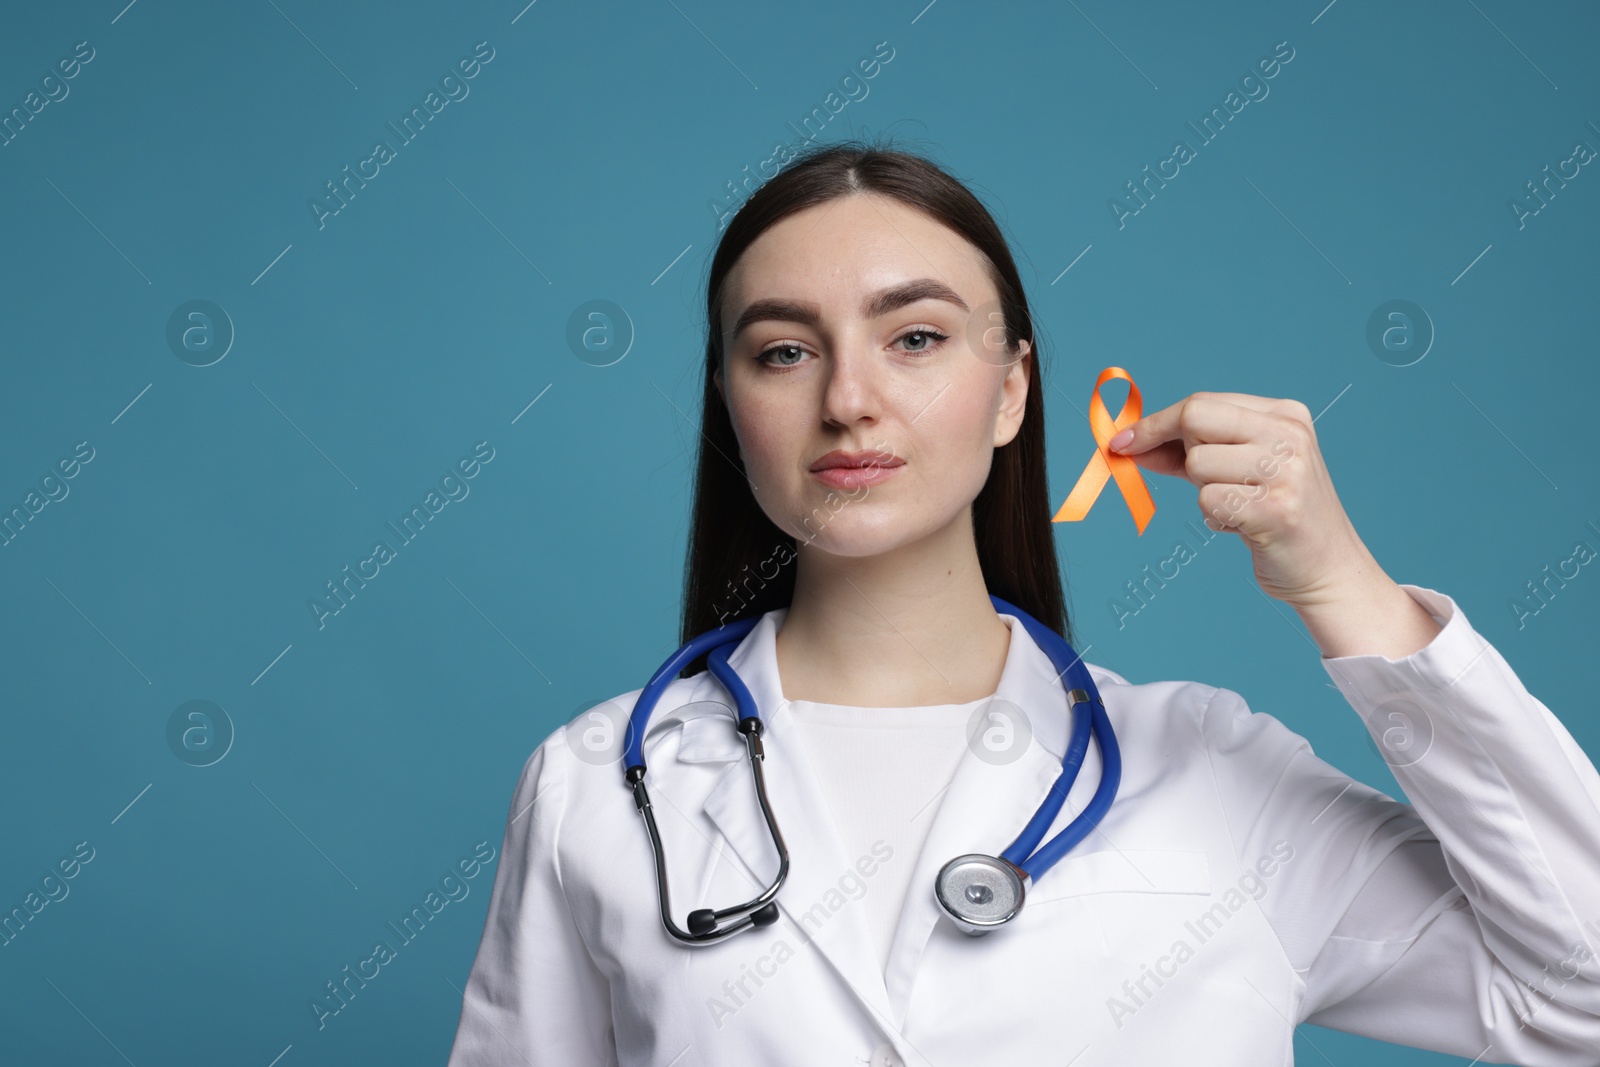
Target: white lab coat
1238, 886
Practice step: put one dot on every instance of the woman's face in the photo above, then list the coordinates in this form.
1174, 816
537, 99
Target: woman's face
858, 326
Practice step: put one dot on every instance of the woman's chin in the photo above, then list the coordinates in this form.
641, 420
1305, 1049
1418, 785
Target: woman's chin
857, 542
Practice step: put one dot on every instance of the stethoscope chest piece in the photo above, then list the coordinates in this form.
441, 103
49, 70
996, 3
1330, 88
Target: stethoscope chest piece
980, 892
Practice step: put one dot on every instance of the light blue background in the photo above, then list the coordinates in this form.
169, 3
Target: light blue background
433, 309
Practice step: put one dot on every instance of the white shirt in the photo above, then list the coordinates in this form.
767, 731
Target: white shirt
1237, 887
883, 772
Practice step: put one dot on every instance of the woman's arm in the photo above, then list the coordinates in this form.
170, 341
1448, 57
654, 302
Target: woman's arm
534, 996
1467, 921
1514, 806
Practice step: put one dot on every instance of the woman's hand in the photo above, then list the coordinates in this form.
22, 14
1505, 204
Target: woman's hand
1261, 475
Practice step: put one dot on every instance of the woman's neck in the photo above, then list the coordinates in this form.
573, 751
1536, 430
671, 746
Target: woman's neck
903, 629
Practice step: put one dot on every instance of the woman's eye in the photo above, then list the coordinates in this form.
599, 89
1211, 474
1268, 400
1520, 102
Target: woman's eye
785, 357
783, 351
930, 339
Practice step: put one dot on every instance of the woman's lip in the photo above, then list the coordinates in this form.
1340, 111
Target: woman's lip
864, 458
855, 477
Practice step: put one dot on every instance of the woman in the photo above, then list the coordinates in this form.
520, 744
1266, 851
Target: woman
872, 468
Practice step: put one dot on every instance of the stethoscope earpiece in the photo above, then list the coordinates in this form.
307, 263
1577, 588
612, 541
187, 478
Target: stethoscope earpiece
703, 921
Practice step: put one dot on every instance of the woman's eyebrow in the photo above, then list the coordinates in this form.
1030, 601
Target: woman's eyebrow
879, 303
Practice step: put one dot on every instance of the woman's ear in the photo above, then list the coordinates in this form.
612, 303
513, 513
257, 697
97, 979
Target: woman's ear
1013, 396
716, 377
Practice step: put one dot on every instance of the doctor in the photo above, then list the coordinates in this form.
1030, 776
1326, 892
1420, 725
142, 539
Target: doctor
1238, 885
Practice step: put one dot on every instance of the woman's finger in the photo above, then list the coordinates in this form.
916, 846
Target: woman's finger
1193, 419
1236, 464
1272, 405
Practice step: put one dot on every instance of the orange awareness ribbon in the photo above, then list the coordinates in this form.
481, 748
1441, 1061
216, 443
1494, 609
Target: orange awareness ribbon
1105, 464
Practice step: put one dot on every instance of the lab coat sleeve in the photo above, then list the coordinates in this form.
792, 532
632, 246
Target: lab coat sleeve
534, 997
1466, 921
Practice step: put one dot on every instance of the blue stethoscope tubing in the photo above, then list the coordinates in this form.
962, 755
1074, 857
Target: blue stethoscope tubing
1088, 718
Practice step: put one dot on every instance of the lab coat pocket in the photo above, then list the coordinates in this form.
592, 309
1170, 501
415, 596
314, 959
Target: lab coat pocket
1125, 870
1117, 905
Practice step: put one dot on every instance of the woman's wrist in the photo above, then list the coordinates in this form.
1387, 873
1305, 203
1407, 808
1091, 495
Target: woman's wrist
1368, 614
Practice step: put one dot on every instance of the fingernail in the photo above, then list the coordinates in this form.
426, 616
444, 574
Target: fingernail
1121, 440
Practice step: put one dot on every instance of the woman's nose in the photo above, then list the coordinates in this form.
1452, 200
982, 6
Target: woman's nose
854, 386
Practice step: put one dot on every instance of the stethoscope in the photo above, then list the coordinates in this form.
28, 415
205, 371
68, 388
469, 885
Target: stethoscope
978, 892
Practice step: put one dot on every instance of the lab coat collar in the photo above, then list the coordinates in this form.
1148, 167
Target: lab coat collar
984, 808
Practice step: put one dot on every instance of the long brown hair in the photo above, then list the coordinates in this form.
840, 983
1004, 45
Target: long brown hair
739, 563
